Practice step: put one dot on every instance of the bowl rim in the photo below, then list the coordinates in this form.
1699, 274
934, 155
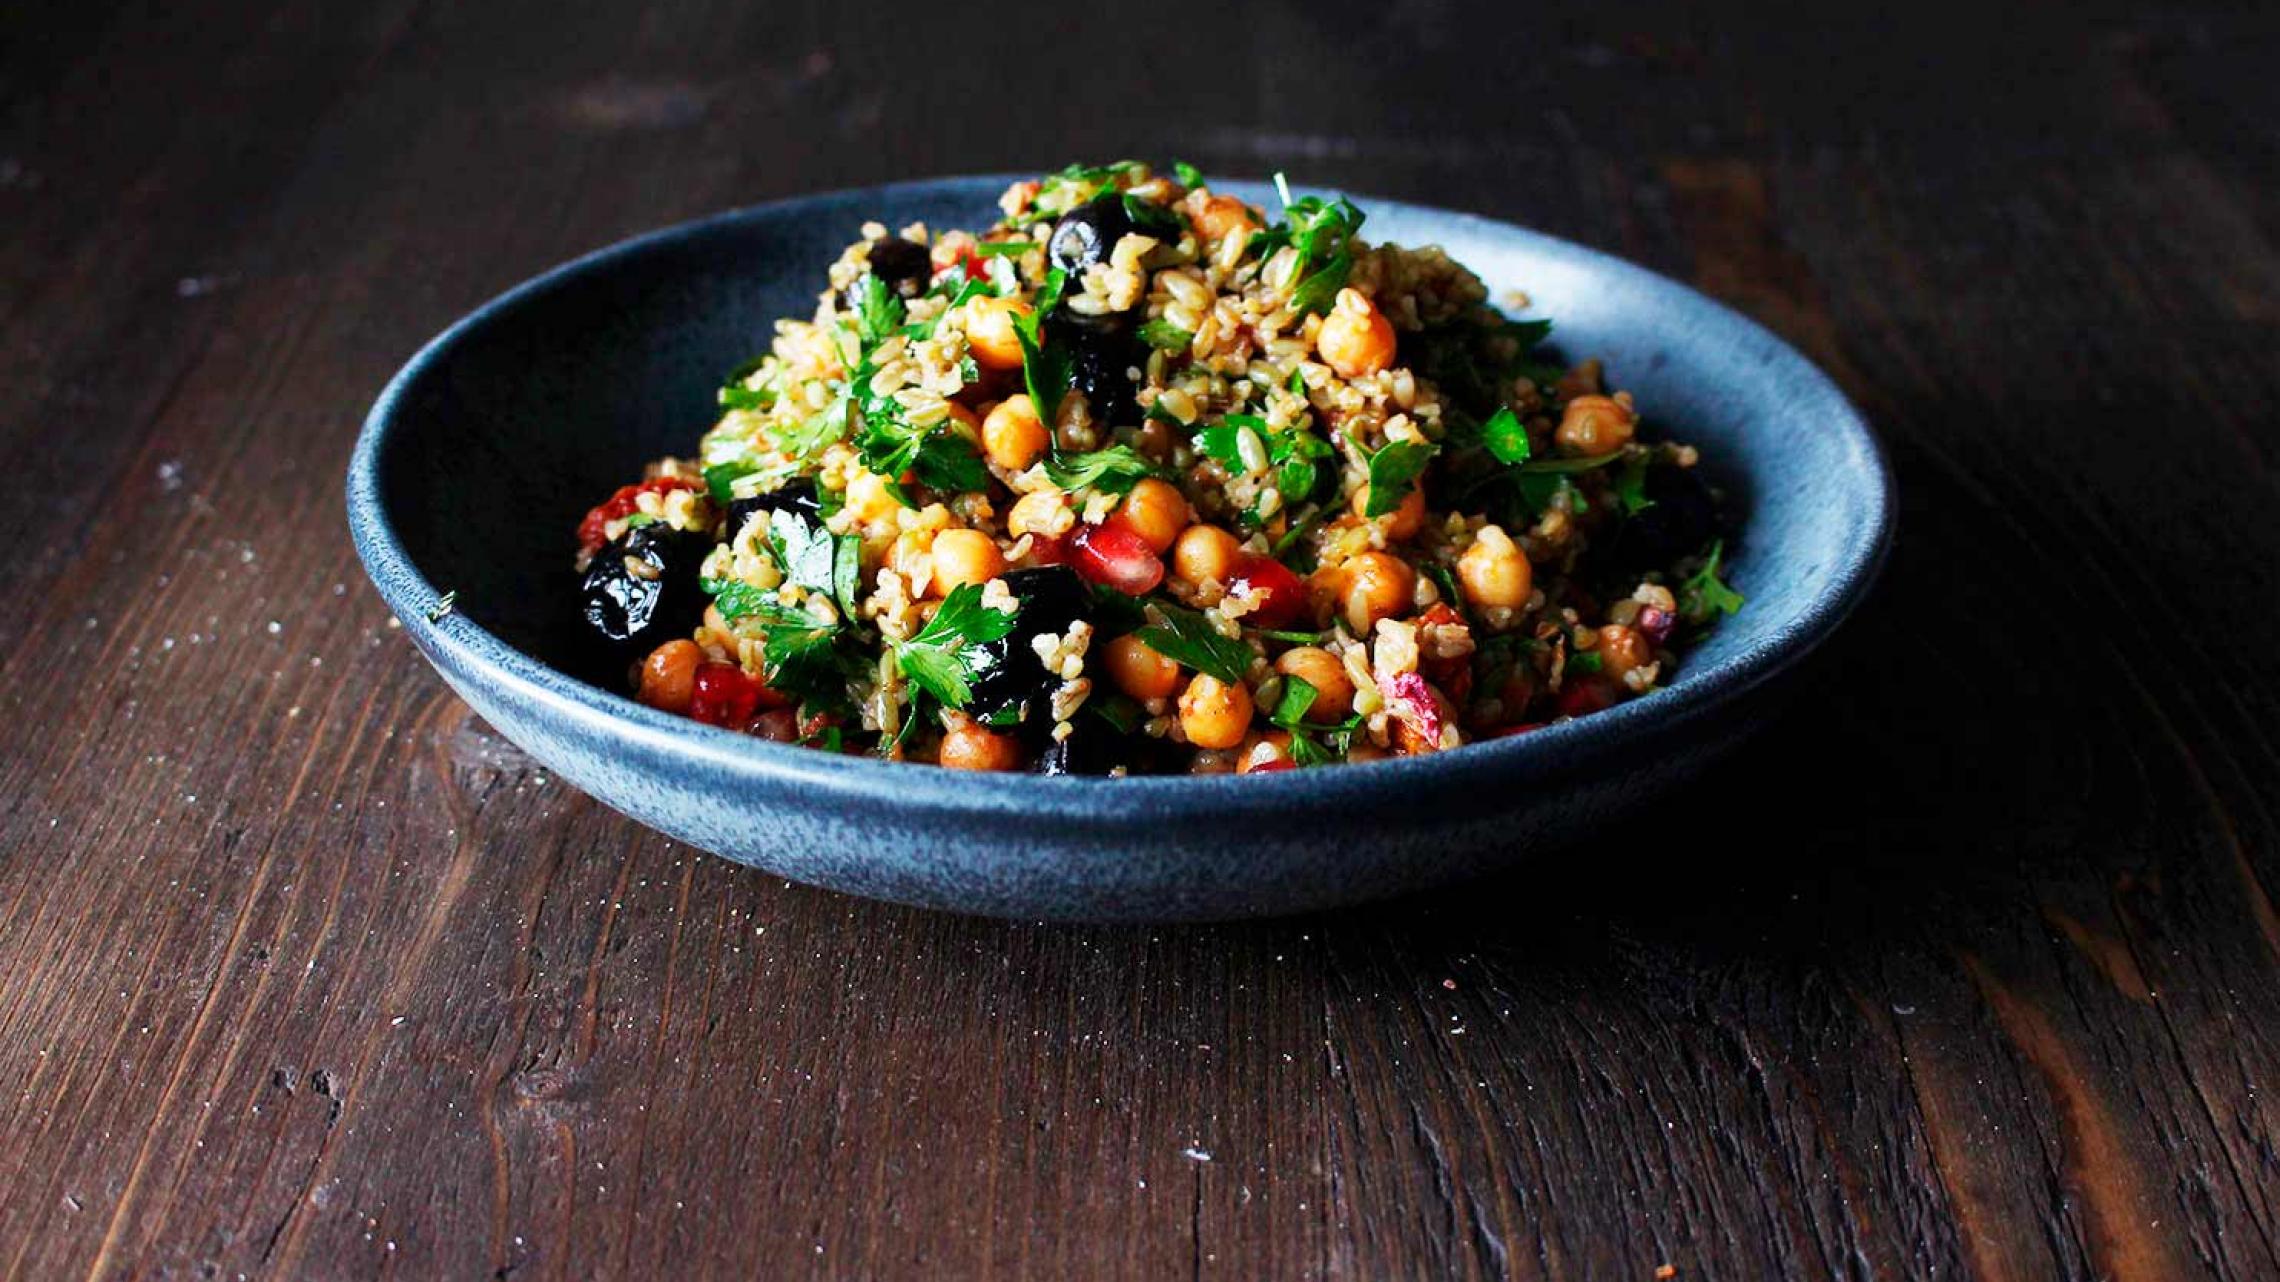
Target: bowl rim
456, 641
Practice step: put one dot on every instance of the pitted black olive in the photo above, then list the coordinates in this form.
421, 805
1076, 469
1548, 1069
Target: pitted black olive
795, 496
1088, 234
1680, 517
903, 266
1092, 748
642, 590
1100, 361
1048, 599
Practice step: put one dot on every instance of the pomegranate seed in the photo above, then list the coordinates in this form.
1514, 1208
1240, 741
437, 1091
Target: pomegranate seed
1115, 557
724, 696
1584, 697
1656, 622
1272, 765
1282, 598
620, 505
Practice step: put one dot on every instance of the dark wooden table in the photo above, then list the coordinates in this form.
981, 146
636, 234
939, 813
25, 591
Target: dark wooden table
1968, 966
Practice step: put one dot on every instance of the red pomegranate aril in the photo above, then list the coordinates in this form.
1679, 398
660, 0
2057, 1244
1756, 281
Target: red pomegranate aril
724, 696
1048, 549
627, 500
1115, 557
1270, 766
1583, 697
1282, 597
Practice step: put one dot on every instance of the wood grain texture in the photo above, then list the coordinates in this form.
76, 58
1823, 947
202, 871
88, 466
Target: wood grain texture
309, 973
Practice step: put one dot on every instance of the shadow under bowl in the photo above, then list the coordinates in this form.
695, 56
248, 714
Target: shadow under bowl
481, 455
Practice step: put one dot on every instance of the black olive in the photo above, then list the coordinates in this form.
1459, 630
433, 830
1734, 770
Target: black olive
1680, 517
1048, 598
634, 611
1088, 234
1092, 748
797, 496
1100, 361
903, 266
1095, 747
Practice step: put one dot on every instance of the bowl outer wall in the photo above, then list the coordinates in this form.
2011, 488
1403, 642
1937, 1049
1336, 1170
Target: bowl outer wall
1814, 481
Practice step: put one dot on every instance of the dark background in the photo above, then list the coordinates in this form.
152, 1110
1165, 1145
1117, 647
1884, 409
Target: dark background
1966, 967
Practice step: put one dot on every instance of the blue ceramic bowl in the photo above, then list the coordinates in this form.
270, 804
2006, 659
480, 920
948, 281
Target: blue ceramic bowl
480, 456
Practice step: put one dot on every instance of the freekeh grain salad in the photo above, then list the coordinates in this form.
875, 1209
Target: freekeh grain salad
1144, 479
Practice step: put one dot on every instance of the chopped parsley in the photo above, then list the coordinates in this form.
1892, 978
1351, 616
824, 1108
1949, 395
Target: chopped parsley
1118, 710
1705, 595
1311, 743
993, 248
881, 313
1294, 456
1505, 436
1188, 174
1393, 473
720, 476
1321, 232
1187, 638
950, 652
1113, 470
1164, 336
1045, 368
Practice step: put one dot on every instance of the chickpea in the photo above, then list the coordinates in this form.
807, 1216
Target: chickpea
868, 499
1214, 713
1156, 511
1596, 424
970, 747
1317, 667
1375, 585
989, 331
1404, 521
1138, 670
962, 557
1205, 552
1494, 572
1217, 216
1622, 649
1263, 750
1355, 339
1013, 435
969, 426
669, 676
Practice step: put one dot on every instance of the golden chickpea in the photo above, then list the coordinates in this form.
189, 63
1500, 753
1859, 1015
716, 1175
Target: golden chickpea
1355, 339
1205, 552
1013, 435
1317, 667
1213, 713
1494, 572
1622, 649
1375, 585
1217, 216
669, 676
989, 331
969, 426
970, 747
1138, 670
962, 557
1156, 511
868, 499
1264, 751
1597, 424
1404, 521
